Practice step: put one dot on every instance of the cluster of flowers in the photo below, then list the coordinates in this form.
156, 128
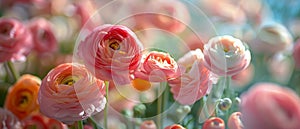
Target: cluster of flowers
113, 56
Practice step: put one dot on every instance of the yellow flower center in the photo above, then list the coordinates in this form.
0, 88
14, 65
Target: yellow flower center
24, 99
70, 80
114, 44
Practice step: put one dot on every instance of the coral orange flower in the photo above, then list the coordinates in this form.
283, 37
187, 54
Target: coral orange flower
70, 93
111, 53
174, 126
234, 121
158, 67
214, 123
21, 99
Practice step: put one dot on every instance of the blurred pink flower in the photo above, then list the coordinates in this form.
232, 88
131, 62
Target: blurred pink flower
269, 106
271, 38
148, 124
296, 54
174, 126
111, 52
158, 67
214, 123
35, 121
234, 121
70, 93
226, 55
192, 86
8, 120
43, 36
54, 124
15, 40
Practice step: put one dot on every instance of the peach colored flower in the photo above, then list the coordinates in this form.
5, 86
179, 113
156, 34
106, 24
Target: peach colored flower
111, 52
174, 126
270, 106
15, 40
226, 55
214, 123
158, 67
148, 124
296, 54
271, 38
192, 86
8, 120
43, 36
22, 97
70, 93
234, 121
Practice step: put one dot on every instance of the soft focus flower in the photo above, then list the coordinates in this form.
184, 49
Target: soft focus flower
15, 40
43, 35
21, 99
271, 38
174, 126
140, 84
158, 67
148, 124
170, 17
214, 123
234, 121
8, 120
226, 55
269, 106
244, 77
121, 96
54, 124
70, 93
192, 86
35, 121
111, 52
296, 54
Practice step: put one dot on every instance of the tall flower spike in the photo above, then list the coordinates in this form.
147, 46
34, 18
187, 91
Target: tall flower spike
111, 52
70, 93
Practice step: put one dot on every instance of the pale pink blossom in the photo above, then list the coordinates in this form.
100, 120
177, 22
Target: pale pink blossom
226, 55
271, 38
192, 86
15, 40
270, 106
8, 120
148, 124
111, 52
70, 93
43, 36
158, 67
234, 121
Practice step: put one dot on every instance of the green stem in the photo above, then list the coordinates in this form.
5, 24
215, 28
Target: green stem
228, 83
80, 124
12, 70
160, 99
94, 123
106, 105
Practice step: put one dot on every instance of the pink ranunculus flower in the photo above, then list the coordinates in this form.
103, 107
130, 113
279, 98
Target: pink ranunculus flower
8, 120
271, 38
111, 52
296, 54
43, 36
70, 93
15, 40
214, 123
226, 55
148, 124
158, 67
192, 86
234, 121
269, 106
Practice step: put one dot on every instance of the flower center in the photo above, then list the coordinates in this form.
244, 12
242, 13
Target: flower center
70, 80
6, 29
24, 99
114, 44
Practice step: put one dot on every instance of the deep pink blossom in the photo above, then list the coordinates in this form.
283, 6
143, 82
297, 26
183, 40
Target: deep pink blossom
111, 52
8, 120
